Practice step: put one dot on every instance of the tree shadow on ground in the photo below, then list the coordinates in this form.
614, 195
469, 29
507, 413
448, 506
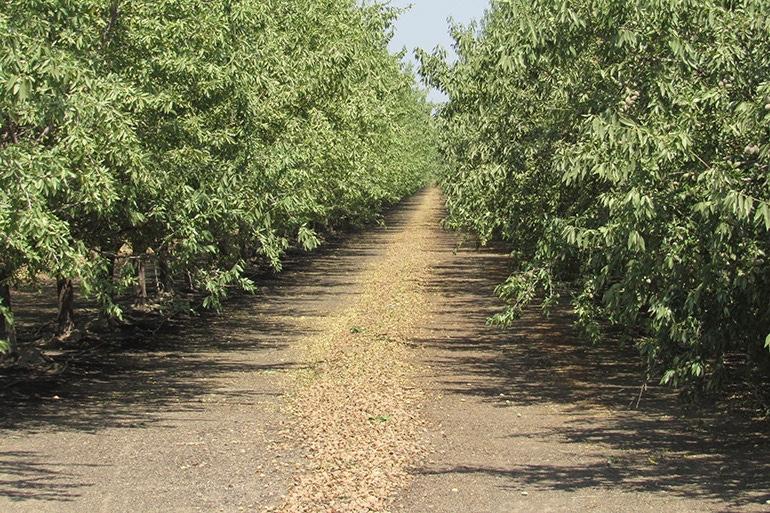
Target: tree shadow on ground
25, 477
150, 373
160, 363
705, 454
132, 376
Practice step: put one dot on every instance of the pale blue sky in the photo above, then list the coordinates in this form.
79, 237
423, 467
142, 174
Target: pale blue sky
425, 25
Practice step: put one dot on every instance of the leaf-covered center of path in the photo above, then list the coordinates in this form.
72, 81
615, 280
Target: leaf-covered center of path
355, 402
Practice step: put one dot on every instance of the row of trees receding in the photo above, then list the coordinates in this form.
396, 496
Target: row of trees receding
193, 136
622, 147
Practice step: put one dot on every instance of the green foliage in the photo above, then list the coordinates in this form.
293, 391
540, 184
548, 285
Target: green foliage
196, 133
621, 146
7, 316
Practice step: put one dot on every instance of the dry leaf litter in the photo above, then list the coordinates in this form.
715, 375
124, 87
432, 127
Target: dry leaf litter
356, 404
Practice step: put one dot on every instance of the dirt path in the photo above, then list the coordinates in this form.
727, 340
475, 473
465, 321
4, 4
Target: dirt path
531, 419
364, 379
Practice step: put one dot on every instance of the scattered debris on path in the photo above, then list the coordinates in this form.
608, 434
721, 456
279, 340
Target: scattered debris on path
356, 398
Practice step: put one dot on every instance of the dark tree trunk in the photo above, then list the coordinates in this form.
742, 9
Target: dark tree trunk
166, 280
141, 282
156, 275
246, 252
110, 23
65, 319
111, 268
7, 330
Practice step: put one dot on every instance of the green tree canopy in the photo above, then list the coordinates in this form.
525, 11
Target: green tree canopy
196, 134
621, 147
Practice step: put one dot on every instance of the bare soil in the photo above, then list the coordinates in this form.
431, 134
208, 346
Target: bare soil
365, 378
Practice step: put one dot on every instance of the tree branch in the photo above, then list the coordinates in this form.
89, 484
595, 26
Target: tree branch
110, 22
43, 134
700, 159
11, 131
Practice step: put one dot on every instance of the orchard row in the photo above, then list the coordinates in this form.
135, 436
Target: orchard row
622, 148
193, 136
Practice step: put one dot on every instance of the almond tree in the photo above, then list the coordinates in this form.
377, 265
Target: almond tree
195, 135
621, 146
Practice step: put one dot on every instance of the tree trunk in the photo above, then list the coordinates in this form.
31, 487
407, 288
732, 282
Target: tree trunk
166, 280
141, 282
65, 319
7, 329
190, 282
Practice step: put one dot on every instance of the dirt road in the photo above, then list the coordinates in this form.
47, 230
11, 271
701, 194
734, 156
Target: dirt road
364, 378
